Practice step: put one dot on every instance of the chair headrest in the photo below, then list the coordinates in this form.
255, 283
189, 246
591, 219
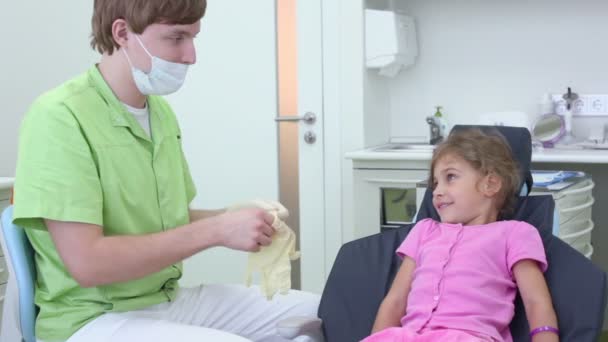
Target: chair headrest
519, 140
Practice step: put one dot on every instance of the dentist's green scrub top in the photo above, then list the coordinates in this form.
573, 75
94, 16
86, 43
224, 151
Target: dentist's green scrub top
84, 158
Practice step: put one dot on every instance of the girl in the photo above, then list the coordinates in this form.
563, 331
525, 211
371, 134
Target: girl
459, 277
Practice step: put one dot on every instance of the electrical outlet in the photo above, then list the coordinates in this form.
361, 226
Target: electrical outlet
585, 105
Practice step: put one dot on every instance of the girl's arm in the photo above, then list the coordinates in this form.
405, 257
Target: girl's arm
393, 306
536, 298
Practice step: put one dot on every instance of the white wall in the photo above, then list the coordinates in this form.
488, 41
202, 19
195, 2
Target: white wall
478, 56
377, 108
43, 44
226, 110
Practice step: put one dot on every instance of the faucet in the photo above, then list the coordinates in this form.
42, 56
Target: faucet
435, 128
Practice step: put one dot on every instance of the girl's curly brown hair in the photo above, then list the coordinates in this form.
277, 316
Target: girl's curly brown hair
488, 153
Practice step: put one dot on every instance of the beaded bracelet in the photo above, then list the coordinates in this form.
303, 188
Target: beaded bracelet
544, 328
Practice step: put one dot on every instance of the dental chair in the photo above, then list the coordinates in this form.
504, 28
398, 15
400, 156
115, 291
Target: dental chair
365, 268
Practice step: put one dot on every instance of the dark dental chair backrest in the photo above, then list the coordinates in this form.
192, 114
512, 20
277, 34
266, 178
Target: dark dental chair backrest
364, 270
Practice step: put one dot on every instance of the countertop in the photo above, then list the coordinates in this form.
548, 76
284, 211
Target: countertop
547, 155
6, 182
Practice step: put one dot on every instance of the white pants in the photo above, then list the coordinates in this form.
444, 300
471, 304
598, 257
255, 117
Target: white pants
223, 313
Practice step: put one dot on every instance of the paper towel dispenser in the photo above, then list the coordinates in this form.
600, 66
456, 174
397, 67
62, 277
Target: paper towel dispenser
390, 41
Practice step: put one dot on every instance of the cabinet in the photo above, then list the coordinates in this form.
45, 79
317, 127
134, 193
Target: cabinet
388, 197
5, 194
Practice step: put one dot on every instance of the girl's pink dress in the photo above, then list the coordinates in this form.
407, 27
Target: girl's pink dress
463, 287
443, 335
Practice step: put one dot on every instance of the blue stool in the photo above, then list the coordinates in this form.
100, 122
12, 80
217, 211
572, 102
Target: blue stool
22, 260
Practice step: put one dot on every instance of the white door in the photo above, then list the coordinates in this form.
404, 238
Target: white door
311, 142
227, 112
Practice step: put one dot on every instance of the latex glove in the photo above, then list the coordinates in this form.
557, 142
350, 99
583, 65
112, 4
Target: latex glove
268, 205
274, 261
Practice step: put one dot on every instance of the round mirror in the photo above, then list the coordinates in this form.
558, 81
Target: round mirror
548, 129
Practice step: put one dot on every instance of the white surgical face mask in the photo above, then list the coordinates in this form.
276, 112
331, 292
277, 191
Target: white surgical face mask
164, 77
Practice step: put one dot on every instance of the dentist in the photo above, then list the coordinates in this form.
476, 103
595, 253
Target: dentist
103, 191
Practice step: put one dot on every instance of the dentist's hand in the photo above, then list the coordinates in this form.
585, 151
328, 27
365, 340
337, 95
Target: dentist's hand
245, 229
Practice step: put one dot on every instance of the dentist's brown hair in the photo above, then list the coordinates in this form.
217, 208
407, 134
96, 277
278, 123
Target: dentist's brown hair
139, 14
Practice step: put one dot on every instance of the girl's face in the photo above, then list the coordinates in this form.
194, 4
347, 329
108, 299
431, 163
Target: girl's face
461, 194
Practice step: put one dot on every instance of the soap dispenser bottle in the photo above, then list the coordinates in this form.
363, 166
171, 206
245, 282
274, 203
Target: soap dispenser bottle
438, 126
443, 125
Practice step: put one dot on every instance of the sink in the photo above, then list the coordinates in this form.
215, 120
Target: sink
405, 147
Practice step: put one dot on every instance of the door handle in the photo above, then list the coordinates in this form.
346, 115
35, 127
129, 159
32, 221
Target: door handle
309, 118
